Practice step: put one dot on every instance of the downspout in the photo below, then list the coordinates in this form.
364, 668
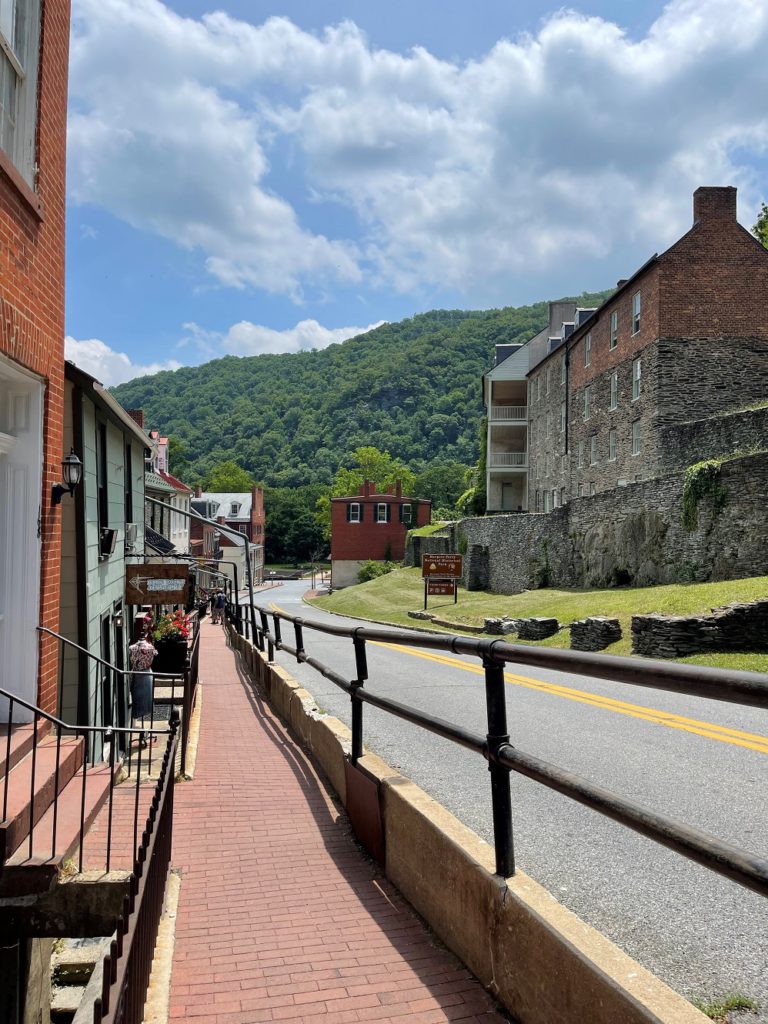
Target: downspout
83, 665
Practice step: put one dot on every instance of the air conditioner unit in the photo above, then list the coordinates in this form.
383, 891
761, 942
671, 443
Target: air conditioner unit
131, 535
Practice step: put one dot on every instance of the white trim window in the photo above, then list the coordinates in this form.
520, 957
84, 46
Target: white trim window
538, 388
563, 373
612, 445
593, 450
581, 455
406, 514
382, 510
562, 417
354, 510
637, 437
580, 491
614, 328
549, 379
546, 501
588, 349
614, 390
555, 497
637, 382
235, 508
19, 50
587, 401
562, 495
636, 313
592, 489
549, 424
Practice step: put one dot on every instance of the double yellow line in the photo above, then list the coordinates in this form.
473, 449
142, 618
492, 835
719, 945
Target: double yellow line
719, 733
710, 731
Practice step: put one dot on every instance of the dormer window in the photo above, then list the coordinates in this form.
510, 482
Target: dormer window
235, 508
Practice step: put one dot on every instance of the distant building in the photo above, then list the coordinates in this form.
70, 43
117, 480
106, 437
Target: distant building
370, 525
244, 512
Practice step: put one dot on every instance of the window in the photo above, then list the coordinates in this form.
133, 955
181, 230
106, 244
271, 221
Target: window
581, 454
614, 328
549, 379
235, 508
562, 495
538, 388
538, 501
382, 512
587, 401
636, 312
549, 424
562, 417
405, 513
637, 437
593, 450
554, 497
354, 512
19, 47
563, 371
614, 390
581, 490
636, 378
546, 501
588, 349
592, 489
533, 433
612, 445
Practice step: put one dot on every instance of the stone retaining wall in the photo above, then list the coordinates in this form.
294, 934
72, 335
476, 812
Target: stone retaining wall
594, 634
630, 535
684, 444
739, 627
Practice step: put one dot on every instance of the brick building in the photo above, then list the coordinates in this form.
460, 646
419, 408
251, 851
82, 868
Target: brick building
684, 339
34, 57
244, 512
372, 525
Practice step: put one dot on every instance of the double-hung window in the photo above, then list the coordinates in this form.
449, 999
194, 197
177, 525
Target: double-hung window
581, 454
614, 328
382, 512
562, 417
612, 445
549, 379
19, 48
587, 401
593, 450
562, 370
405, 514
614, 390
354, 512
636, 312
637, 437
588, 349
636, 378
549, 424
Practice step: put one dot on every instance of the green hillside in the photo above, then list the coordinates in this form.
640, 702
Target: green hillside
412, 388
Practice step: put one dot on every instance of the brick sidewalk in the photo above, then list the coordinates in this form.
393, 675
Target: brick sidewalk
281, 918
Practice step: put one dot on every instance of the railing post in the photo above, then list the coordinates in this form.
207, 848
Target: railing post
278, 636
299, 641
501, 800
265, 632
361, 667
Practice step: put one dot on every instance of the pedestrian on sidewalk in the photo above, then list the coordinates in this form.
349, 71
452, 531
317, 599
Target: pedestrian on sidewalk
142, 654
219, 604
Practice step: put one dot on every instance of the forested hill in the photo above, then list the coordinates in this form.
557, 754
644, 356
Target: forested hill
412, 388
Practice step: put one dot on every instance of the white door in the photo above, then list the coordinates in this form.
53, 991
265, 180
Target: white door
21, 454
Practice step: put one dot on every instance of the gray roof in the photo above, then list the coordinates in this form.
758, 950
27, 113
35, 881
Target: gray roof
225, 499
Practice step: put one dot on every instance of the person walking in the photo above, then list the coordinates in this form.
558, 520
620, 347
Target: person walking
219, 605
142, 654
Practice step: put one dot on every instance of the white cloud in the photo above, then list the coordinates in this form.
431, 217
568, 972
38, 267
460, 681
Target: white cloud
106, 365
577, 146
248, 339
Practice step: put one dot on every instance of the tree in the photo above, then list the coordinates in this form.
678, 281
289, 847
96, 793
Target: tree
441, 482
228, 476
760, 230
178, 463
368, 463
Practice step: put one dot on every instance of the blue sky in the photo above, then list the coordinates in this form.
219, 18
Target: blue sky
249, 178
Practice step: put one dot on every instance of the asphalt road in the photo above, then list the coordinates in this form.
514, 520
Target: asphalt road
701, 761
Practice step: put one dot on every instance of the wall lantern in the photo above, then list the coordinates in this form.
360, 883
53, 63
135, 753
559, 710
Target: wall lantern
72, 472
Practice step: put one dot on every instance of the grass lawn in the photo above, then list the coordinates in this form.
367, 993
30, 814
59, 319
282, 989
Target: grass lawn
427, 531
389, 598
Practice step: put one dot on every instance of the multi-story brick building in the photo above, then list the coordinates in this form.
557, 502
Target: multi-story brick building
33, 110
685, 338
244, 512
372, 526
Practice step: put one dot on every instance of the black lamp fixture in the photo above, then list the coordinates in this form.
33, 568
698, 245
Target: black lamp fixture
72, 472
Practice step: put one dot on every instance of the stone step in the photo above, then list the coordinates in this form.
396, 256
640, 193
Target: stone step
21, 743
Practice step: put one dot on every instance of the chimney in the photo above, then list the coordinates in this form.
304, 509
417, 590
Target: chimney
621, 282
714, 203
399, 489
198, 491
137, 415
367, 489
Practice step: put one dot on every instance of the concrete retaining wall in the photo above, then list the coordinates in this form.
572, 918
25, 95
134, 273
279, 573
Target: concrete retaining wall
540, 961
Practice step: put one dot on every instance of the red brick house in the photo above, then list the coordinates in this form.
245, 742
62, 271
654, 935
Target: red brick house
34, 59
372, 525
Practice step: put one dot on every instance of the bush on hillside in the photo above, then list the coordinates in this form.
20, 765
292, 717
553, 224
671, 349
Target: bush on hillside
372, 569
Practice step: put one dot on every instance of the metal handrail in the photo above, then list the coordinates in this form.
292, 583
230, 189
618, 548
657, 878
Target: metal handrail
101, 661
747, 688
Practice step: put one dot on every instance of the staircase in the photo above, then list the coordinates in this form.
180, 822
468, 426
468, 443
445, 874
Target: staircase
49, 797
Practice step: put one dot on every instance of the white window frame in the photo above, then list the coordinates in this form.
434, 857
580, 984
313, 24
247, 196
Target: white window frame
614, 329
612, 445
549, 424
637, 437
538, 388
636, 313
581, 455
355, 509
562, 417
587, 402
555, 498
588, 349
19, 58
381, 512
614, 399
593, 450
637, 378
581, 491
562, 371
592, 489
562, 495
546, 501
549, 379
407, 513
234, 508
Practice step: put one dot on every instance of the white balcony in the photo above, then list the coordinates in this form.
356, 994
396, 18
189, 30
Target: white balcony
508, 460
509, 413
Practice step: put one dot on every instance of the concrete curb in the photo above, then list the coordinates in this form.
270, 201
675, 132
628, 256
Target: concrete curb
538, 959
157, 1005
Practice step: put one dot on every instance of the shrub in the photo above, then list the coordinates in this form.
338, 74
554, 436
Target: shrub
372, 569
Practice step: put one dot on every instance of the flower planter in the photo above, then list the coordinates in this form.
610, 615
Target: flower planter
171, 656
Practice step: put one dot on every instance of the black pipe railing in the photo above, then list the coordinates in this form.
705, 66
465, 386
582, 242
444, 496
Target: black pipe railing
745, 688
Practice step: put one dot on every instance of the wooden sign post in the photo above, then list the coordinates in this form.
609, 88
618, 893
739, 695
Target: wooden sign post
157, 583
441, 574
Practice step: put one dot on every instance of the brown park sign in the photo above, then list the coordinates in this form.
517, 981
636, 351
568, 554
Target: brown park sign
157, 583
444, 566
440, 587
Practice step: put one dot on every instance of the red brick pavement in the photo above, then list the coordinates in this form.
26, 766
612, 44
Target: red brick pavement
281, 917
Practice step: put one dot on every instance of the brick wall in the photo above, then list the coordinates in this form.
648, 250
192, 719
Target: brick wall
369, 539
32, 299
631, 535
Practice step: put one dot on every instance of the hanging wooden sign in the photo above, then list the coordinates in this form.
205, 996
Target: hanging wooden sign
157, 583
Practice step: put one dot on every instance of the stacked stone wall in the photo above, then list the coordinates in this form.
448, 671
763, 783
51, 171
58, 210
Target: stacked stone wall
630, 535
416, 547
684, 444
737, 627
